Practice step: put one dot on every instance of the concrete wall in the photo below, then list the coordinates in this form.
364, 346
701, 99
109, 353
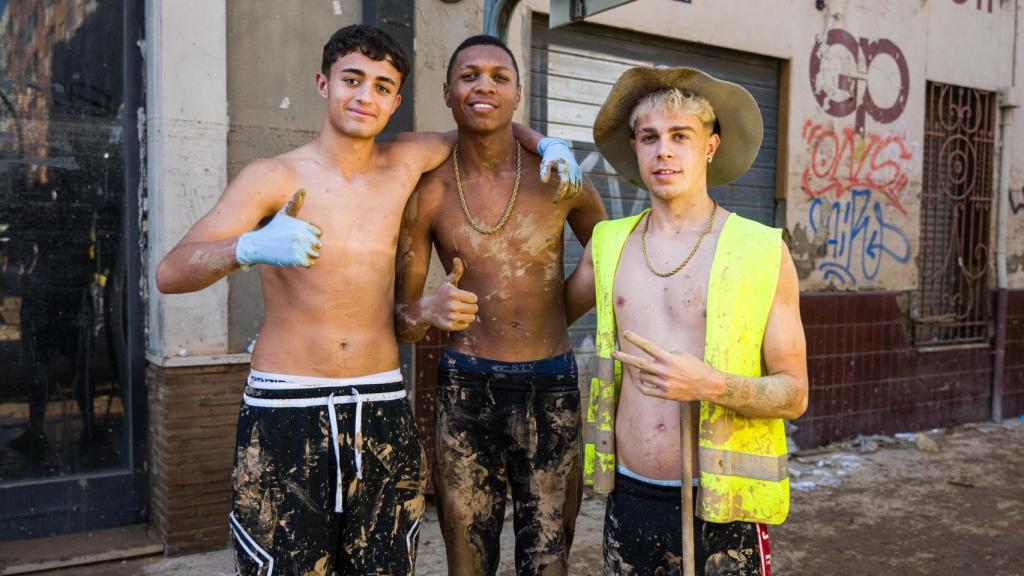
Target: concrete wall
1015, 236
832, 143
186, 132
274, 50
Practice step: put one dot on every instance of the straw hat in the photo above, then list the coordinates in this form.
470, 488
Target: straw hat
738, 120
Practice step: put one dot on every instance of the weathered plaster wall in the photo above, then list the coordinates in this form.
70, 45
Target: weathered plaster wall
186, 132
856, 126
1015, 222
440, 28
274, 50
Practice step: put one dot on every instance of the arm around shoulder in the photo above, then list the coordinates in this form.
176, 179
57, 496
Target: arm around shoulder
425, 151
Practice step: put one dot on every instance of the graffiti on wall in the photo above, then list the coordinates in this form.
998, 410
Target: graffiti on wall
1016, 205
845, 90
980, 4
858, 237
857, 179
840, 161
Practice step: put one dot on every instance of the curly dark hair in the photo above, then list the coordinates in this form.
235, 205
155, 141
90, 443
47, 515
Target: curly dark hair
480, 40
373, 42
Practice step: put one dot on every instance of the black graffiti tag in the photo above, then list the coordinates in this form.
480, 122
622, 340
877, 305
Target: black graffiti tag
859, 101
1014, 205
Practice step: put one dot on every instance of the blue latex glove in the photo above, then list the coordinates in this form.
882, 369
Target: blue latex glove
555, 153
284, 241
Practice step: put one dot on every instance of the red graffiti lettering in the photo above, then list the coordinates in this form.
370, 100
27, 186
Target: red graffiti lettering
980, 4
843, 161
858, 99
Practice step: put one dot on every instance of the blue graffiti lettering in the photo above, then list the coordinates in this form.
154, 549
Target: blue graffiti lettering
856, 230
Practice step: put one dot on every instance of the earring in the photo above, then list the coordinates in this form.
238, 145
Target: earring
709, 159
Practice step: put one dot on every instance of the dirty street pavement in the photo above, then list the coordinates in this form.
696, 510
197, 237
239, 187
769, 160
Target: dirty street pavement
948, 501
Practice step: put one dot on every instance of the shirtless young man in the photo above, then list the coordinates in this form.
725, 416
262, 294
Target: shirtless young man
508, 394
328, 471
697, 304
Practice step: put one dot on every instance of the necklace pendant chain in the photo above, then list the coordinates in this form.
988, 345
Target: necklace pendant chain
511, 201
693, 251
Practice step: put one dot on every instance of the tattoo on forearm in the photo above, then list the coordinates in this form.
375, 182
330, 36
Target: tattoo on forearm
760, 396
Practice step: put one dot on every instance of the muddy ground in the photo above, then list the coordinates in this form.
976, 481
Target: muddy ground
946, 502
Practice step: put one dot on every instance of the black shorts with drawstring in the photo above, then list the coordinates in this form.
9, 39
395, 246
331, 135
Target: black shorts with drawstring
328, 477
643, 535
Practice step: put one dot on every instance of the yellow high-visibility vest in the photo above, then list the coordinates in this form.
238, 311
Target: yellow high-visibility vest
743, 461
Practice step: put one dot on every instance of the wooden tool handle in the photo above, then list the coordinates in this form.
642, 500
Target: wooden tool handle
686, 458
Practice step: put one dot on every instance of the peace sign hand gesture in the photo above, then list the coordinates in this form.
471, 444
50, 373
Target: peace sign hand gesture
670, 375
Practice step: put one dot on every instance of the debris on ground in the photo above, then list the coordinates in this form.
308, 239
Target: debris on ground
925, 444
812, 468
898, 513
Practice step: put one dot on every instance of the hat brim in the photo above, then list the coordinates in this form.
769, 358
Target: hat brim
738, 119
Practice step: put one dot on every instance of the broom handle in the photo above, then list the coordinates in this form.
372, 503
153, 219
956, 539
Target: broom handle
686, 456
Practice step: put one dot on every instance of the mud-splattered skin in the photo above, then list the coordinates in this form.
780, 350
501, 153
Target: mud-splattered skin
516, 273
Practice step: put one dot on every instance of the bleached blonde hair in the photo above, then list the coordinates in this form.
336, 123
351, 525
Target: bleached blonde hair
677, 100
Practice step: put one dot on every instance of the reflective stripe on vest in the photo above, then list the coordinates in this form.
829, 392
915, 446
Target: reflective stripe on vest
753, 466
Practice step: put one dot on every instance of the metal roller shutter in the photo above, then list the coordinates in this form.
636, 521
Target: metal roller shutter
572, 69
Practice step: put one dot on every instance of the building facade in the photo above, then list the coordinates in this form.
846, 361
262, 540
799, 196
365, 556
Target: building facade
891, 159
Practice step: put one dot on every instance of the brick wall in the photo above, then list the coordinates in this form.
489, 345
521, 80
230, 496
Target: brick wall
193, 413
867, 378
1013, 381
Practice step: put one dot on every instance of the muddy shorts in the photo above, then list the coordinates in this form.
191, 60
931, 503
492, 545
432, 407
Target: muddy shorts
501, 425
328, 477
643, 536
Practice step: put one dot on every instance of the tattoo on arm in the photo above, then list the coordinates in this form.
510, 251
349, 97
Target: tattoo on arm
768, 397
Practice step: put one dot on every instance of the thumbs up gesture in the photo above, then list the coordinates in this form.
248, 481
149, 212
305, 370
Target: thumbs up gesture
284, 241
448, 307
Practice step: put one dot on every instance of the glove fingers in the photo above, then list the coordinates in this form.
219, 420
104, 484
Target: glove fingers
545, 172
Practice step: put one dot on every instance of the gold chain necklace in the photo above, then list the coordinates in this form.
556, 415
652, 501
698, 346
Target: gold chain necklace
511, 201
643, 243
